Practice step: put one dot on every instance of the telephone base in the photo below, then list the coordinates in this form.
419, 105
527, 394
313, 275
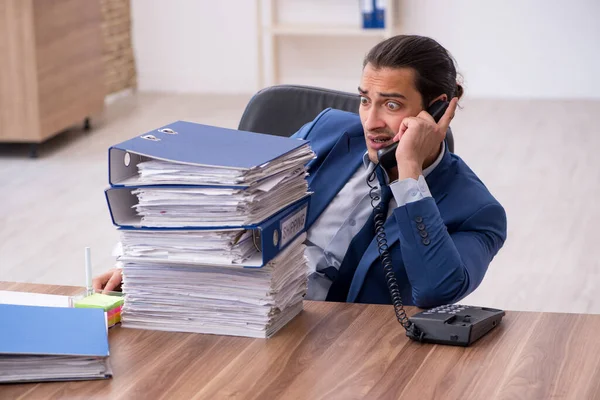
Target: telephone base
455, 325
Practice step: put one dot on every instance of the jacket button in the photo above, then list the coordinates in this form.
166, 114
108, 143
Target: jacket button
426, 241
421, 227
418, 220
423, 234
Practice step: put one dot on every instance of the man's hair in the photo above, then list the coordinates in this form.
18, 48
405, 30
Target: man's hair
434, 66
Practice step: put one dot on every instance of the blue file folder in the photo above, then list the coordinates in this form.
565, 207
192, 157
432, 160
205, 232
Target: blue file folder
36, 330
368, 13
40, 343
379, 14
197, 144
272, 235
205, 145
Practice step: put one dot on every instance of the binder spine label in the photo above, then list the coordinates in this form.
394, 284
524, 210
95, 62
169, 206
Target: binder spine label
292, 225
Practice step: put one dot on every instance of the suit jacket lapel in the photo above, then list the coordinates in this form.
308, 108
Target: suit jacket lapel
337, 168
437, 179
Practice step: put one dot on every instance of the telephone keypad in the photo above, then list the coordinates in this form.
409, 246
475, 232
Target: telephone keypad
447, 309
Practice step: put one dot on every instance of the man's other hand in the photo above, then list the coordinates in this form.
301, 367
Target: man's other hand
107, 281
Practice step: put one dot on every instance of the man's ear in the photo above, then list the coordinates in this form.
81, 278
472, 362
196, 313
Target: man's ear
443, 97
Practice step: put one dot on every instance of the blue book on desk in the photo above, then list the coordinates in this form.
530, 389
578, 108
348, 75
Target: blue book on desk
52, 344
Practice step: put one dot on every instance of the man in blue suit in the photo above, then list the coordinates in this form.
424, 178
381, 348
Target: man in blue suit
443, 227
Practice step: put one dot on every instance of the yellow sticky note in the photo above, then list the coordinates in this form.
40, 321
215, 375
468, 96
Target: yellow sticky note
98, 300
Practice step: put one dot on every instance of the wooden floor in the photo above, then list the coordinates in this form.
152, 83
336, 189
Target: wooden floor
541, 159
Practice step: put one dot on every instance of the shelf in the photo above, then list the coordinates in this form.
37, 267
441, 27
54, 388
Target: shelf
318, 30
350, 28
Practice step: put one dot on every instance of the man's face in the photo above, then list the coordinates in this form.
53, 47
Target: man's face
387, 97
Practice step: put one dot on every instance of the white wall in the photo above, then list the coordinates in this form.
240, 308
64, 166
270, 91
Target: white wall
516, 48
510, 49
195, 45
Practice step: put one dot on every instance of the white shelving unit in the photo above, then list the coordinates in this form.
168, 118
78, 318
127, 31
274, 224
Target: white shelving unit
317, 30
273, 30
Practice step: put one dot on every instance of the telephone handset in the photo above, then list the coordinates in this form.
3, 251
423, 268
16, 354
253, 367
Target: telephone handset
450, 324
387, 156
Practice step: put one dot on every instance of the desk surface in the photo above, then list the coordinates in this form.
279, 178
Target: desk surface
344, 351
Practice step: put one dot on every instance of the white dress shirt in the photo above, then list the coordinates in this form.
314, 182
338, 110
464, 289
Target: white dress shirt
330, 235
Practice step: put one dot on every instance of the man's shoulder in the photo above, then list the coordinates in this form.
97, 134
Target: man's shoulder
335, 116
466, 184
330, 122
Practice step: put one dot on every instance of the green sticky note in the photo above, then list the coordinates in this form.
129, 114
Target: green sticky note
98, 300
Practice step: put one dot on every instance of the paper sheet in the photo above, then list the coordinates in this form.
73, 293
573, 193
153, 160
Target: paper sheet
215, 299
165, 172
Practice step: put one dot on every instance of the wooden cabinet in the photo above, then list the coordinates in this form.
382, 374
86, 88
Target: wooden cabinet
51, 70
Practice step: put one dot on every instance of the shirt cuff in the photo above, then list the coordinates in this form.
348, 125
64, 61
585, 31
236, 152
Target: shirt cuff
410, 190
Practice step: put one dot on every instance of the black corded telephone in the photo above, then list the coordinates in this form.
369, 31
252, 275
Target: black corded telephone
448, 324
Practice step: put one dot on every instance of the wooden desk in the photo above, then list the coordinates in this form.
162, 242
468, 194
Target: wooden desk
344, 351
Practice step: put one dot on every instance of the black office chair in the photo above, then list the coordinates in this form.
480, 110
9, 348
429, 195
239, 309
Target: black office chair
282, 109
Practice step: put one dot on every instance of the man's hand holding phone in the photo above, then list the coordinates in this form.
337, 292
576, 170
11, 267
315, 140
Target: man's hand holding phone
419, 141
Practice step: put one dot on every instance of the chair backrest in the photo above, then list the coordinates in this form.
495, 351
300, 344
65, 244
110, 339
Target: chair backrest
282, 109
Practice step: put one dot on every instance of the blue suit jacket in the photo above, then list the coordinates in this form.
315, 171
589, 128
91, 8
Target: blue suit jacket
465, 225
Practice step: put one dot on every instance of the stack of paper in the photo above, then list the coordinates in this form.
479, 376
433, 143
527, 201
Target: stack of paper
26, 368
221, 247
254, 302
160, 172
212, 228
43, 343
209, 206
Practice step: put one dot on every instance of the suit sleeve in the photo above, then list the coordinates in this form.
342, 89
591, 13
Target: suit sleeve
441, 267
